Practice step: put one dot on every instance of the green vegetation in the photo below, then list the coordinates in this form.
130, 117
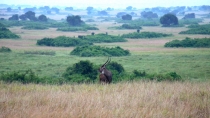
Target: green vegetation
136, 35
188, 42
40, 52
6, 33
171, 76
99, 38
197, 29
81, 72
73, 29
5, 49
141, 22
40, 25
127, 26
85, 72
89, 51
37, 27
62, 41
82, 40
169, 20
29, 76
190, 21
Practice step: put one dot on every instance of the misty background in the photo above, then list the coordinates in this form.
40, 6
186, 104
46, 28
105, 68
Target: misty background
108, 3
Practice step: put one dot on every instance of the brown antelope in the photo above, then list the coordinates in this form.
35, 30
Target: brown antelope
105, 75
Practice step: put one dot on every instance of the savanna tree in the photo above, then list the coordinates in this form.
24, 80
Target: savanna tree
42, 18
127, 17
74, 20
168, 20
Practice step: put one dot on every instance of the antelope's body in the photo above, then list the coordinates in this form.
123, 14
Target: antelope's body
105, 75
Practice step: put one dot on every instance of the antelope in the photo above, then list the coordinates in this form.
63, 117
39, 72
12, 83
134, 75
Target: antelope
105, 75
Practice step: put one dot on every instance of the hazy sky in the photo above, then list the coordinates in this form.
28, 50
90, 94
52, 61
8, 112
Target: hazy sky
109, 3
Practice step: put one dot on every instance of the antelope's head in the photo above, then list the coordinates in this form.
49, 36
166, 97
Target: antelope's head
103, 67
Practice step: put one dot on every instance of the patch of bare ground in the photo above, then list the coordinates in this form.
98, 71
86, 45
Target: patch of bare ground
122, 100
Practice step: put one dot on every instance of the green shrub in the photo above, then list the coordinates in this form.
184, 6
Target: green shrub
23, 77
81, 72
172, 76
6, 33
5, 49
136, 35
29, 76
197, 29
188, 42
130, 26
89, 51
62, 41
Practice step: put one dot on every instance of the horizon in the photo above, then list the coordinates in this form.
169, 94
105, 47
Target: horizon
105, 4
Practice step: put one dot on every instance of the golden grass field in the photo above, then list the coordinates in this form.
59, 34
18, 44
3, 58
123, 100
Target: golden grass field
139, 99
122, 100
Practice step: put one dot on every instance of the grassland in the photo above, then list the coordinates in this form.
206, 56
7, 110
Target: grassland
122, 100
140, 99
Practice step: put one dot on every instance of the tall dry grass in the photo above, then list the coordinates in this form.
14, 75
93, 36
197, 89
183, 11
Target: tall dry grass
125, 100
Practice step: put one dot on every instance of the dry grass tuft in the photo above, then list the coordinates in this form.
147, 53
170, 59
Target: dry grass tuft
127, 100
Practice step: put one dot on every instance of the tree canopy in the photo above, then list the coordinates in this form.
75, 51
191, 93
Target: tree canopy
74, 20
169, 20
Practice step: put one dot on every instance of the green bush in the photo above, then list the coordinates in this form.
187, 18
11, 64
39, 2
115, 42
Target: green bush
130, 26
136, 35
62, 41
171, 76
6, 33
29, 76
188, 42
5, 49
197, 29
89, 51
23, 77
81, 72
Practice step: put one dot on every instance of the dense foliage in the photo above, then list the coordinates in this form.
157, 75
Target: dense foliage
171, 76
74, 20
89, 51
5, 49
127, 17
128, 26
81, 72
197, 29
188, 42
136, 35
169, 20
62, 41
6, 33
84, 40
29, 76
